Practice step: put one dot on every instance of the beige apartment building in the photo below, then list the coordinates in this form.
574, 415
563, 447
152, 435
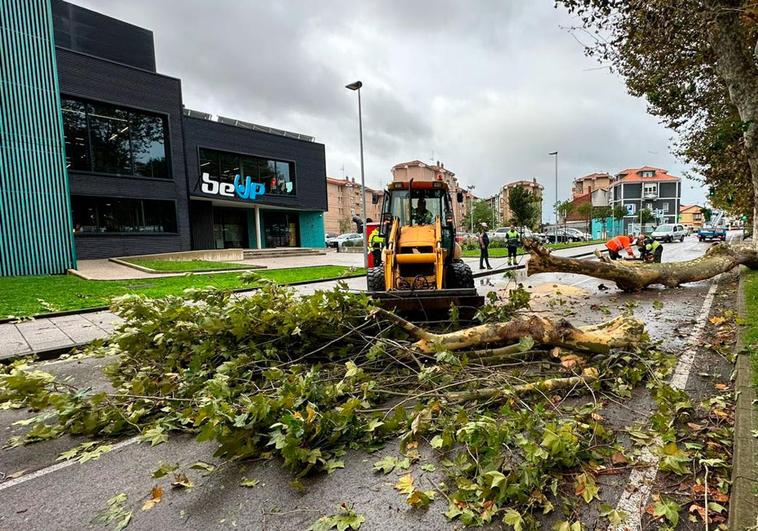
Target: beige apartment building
421, 171
344, 201
589, 183
502, 204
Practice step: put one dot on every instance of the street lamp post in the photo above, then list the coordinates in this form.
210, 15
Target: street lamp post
356, 86
470, 189
555, 153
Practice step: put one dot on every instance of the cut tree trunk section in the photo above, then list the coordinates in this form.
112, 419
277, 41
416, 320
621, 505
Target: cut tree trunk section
619, 333
633, 276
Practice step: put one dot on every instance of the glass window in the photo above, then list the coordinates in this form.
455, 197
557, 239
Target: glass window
249, 168
103, 138
76, 135
277, 176
109, 132
148, 145
209, 162
230, 166
118, 215
284, 183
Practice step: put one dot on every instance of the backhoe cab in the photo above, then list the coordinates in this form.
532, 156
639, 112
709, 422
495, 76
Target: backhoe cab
421, 267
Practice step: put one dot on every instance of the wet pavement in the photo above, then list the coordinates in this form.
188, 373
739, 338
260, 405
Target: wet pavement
68, 497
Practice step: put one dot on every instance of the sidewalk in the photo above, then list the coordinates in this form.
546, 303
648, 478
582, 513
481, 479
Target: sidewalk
50, 337
55, 335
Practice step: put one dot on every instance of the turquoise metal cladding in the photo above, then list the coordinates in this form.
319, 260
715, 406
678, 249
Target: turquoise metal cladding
36, 236
312, 229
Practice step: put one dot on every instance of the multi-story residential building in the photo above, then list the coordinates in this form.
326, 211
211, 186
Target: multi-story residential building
421, 171
691, 216
502, 199
345, 201
590, 183
646, 188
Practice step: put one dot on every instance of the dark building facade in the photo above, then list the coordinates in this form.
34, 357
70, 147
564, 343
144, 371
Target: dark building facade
647, 188
135, 158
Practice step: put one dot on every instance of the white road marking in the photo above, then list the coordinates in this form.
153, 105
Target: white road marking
634, 497
58, 466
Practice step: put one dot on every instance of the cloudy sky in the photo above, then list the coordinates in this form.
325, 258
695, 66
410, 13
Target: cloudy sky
487, 87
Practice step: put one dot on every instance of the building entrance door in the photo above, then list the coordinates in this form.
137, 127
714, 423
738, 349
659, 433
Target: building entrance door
230, 228
281, 229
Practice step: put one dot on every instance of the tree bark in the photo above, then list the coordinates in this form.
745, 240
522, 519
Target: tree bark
619, 333
633, 276
737, 66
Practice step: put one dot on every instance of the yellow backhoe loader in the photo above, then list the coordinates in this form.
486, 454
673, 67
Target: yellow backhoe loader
421, 269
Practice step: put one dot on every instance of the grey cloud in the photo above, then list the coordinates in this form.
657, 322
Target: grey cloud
489, 87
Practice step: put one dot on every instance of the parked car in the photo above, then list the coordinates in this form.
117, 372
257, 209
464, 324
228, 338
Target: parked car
329, 236
578, 235
340, 240
524, 232
556, 235
710, 232
668, 232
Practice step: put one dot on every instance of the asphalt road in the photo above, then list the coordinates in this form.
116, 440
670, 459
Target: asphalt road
43, 494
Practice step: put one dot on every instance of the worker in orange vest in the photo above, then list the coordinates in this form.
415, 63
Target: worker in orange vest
619, 243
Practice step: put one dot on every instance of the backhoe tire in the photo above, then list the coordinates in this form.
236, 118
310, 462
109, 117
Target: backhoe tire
461, 275
376, 278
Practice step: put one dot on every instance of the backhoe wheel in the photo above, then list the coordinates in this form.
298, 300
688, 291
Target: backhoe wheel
461, 275
376, 278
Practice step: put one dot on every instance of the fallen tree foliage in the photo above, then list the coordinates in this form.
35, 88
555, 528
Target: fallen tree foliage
303, 379
633, 275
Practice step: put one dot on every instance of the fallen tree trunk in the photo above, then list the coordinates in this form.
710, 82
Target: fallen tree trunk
633, 276
621, 332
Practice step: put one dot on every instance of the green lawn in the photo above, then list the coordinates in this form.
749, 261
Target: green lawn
750, 332
23, 296
183, 266
502, 251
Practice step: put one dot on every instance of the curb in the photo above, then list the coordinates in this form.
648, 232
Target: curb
743, 506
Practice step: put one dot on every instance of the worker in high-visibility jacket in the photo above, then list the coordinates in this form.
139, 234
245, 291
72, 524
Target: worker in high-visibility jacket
618, 244
650, 250
376, 242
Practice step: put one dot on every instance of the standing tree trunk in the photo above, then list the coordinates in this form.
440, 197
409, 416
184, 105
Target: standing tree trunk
737, 65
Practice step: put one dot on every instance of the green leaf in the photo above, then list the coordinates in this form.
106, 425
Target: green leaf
436, 442
386, 464
514, 519
586, 487
429, 467
155, 435
164, 469
495, 478
249, 483
346, 519
202, 465
614, 516
420, 499
668, 509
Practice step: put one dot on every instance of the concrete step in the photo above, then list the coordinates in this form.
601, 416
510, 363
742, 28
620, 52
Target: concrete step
280, 252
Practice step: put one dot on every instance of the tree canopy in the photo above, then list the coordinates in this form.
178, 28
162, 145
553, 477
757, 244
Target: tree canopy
524, 206
695, 61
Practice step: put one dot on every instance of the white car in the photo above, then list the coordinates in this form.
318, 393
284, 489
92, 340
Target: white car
340, 240
668, 232
578, 235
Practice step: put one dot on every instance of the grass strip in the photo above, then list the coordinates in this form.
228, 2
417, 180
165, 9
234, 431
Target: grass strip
750, 330
497, 252
25, 296
182, 266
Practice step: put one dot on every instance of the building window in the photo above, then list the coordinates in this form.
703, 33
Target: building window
647, 173
650, 190
104, 138
278, 176
95, 215
665, 207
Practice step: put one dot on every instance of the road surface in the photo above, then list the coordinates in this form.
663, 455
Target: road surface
37, 492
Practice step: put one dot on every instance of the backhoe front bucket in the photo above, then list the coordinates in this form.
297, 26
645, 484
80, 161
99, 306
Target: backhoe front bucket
430, 304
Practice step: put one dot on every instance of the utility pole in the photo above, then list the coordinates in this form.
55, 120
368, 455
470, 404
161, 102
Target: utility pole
555, 154
470, 189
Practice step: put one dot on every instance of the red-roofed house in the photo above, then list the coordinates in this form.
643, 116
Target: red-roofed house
590, 183
647, 188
